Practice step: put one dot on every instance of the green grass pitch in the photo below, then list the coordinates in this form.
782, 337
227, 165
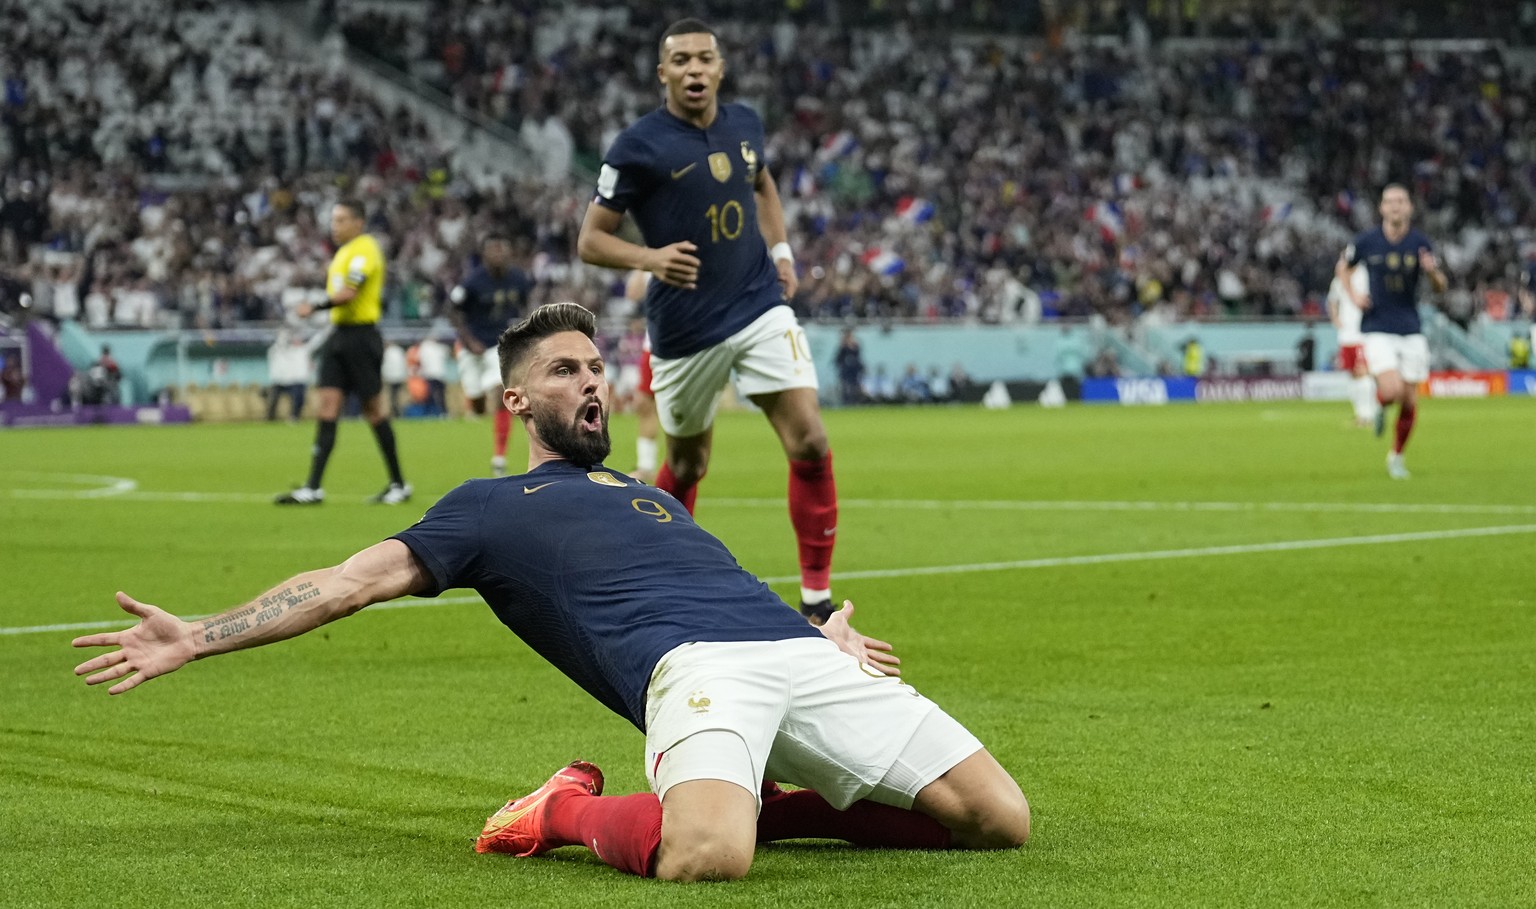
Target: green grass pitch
1228, 660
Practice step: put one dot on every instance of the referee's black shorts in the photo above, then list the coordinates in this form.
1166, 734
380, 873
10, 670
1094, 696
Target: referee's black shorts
351, 360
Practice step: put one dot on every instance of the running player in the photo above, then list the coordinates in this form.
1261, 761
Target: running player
352, 358
1394, 254
692, 174
1345, 316
647, 426
491, 297
729, 686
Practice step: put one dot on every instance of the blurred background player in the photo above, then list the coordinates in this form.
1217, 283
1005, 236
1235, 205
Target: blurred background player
647, 426
492, 296
288, 369
352, 358
1394, 255
692, 174
1527, 295
1345, 316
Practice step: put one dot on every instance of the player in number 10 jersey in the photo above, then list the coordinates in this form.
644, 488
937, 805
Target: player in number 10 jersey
692, 175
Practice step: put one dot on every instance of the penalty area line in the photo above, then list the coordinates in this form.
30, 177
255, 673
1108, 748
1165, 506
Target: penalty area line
1017, 565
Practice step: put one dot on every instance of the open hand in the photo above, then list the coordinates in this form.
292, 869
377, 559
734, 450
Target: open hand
872, 652
159, 644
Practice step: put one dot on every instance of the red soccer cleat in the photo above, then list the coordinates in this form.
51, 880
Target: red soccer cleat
518, 828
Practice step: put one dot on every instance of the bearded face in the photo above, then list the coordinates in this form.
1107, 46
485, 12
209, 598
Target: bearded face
581, 438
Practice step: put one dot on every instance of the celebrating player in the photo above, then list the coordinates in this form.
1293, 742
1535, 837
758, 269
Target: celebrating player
492, 296
352, 358
730, 687
1394, 254
692, 174
1345, 316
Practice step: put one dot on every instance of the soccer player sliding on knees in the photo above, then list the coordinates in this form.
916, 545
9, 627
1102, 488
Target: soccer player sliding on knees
732, 689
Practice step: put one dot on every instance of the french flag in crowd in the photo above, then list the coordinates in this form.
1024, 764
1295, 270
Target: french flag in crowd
913, 210
1125, 183
837, 145
1274, 214
883, 261
805, 182
1110, 218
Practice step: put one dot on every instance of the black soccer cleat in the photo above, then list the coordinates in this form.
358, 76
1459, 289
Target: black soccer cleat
818, 613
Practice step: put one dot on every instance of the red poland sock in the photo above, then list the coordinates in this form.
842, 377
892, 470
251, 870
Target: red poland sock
813, 512
1405, 417
622, 830
667, 483
805, 814
502, 429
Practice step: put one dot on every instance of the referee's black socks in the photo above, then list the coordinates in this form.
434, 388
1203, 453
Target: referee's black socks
325, 441
385, 434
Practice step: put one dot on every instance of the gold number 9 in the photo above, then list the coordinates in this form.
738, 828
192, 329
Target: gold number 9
652, 509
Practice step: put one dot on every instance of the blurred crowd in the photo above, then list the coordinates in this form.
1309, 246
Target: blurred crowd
169, 164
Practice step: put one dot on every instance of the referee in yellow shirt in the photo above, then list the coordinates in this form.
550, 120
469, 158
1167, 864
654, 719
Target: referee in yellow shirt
351, 358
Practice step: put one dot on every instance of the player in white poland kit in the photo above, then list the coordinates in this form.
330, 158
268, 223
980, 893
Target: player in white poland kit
1345, 316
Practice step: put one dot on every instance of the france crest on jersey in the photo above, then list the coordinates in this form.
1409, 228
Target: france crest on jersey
681, 182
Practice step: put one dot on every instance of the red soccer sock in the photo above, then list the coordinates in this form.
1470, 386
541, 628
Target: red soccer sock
1405, 418
502, 428
805, 814
622, 830
667, 482
813, 512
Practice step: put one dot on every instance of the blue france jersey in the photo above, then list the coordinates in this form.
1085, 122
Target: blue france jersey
600, 574
685, 183
491, 302
1394, 272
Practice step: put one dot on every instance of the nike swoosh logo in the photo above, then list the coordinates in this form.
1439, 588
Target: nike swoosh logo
678, 174
530, 490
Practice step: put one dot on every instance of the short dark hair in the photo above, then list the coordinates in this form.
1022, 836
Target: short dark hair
491, 236
519, 341
685, 27
355, 206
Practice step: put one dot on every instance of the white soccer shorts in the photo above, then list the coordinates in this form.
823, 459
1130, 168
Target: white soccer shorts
1407, 355
798, 711
479, 374
767, 356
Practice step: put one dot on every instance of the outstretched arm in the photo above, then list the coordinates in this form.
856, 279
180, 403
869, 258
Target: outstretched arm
162, 643
873, 653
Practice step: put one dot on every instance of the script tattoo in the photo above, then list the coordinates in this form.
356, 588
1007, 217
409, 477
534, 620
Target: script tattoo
225, 625
267, 609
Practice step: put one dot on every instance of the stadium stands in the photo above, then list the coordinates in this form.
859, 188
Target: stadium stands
168, 164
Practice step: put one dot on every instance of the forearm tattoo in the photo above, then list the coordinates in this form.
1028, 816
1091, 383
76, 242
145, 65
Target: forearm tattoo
265, 610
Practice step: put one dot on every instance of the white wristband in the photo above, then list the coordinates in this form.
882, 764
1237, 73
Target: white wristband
782, 251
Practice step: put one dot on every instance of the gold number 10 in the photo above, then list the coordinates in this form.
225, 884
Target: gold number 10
725, 221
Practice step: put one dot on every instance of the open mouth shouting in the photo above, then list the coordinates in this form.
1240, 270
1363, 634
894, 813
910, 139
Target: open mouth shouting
591, 417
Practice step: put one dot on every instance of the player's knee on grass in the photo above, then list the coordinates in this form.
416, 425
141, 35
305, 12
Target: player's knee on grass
980, 804
708, 832
702, 860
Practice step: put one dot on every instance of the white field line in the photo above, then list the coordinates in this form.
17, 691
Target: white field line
124, 489
1017, 565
